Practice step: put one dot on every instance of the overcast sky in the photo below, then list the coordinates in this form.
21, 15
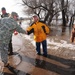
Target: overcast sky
12, 5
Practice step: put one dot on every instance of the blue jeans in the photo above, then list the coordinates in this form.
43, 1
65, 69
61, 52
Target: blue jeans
44, 45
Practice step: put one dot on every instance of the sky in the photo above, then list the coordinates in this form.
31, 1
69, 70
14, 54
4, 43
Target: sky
12, 5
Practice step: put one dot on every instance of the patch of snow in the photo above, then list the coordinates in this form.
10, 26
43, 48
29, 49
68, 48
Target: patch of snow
56, 45
61, 44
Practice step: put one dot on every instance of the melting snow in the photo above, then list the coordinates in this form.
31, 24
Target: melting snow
51, 43
56, 45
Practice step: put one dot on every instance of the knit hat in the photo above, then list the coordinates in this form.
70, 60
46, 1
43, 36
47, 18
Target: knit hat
3, 8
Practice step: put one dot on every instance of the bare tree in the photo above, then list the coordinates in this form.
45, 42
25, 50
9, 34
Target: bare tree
63, 12
46, 10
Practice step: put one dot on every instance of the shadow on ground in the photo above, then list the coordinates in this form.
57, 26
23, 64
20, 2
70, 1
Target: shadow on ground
53, 67
49, 66
69, 62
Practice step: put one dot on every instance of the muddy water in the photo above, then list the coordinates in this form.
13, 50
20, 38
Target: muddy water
60, 31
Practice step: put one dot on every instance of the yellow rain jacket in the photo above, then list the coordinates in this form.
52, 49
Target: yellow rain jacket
40, 30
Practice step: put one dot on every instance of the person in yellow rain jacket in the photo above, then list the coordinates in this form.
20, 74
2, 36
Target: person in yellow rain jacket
40, 31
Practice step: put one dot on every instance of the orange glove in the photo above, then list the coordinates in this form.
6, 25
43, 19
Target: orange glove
15, 32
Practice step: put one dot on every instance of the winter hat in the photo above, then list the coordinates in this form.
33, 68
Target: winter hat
3, 8
14, 14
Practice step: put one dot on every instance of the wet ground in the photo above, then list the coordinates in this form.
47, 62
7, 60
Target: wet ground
60, 59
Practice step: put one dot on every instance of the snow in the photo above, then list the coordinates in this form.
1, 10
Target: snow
28, 37
51, 42
61, 44
56, 45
